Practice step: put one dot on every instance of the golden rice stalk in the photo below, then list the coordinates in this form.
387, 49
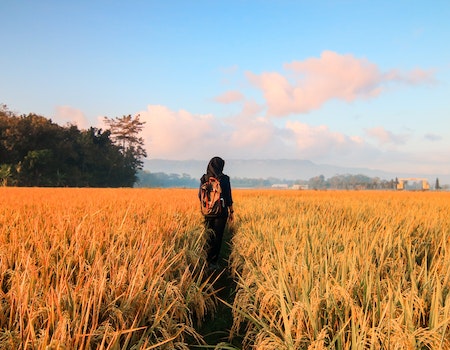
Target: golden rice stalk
343, 269
101, 269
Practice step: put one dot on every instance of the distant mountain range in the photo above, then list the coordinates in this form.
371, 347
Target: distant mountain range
283, 169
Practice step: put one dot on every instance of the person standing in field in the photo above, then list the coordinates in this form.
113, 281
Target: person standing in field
216, 221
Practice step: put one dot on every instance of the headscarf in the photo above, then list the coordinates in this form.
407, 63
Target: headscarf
215, 167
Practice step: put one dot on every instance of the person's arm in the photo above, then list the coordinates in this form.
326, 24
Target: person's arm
202, 181
230, 213
229, 201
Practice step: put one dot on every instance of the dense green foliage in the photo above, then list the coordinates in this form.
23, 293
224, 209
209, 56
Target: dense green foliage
34, 151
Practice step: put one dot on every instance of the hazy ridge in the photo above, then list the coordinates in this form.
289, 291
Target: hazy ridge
288, 169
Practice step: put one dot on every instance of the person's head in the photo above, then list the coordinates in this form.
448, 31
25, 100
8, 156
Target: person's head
215, 166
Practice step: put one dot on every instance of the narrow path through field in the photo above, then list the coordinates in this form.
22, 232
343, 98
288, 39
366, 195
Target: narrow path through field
216, 327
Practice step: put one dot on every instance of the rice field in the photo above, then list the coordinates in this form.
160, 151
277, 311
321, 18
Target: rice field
343, 270
124, 269
101, 269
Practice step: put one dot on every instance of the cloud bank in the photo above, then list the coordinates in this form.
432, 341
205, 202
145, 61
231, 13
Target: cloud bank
183, 135
256, 133
271, 128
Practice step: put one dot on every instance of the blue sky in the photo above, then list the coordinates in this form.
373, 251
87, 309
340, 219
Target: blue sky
348, 83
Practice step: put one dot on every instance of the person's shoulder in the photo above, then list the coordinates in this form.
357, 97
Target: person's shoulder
224, 177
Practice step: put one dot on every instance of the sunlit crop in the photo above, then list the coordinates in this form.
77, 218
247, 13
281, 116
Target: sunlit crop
343, 270
100, 268
124, 269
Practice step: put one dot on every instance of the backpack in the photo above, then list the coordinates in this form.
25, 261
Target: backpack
211, 200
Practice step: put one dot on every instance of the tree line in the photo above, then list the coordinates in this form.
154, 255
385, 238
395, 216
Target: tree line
348, 181
34, 151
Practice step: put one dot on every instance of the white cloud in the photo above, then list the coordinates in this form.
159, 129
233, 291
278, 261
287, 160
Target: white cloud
253, 137
384, 136
181, 135
67, 114
307, 85
320, 142
414, 77
251, 108
229, 97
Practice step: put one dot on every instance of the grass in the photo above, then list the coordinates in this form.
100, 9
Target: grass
124, 269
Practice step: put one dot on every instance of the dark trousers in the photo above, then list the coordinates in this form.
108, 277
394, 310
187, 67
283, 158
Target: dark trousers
215, 228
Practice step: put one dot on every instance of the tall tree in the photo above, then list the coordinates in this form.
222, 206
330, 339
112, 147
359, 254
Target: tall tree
437, 186
125, 132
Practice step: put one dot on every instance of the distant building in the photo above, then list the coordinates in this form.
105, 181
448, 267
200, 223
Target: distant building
300, 187
281, 186
423, 183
